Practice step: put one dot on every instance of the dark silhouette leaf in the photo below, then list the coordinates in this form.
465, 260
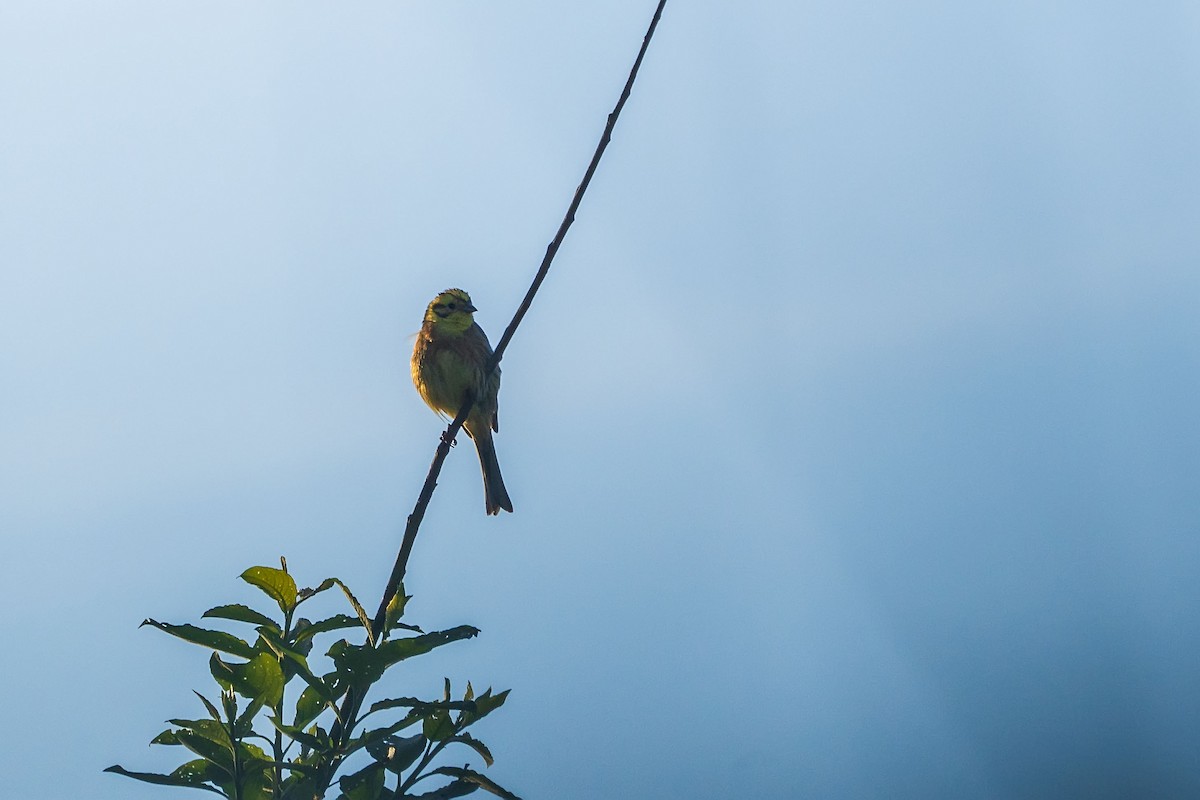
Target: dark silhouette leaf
241, 613
162, 780
216, 640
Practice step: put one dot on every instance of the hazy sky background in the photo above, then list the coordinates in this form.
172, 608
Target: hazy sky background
853, 438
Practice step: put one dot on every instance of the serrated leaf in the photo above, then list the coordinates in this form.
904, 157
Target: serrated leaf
397, 753
240, 613
307, 593
358, 609
161, 780
275, 583
482, 781
215, 640
396, 650
422, 705
476, 745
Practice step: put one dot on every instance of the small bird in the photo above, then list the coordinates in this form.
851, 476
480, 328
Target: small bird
447, 362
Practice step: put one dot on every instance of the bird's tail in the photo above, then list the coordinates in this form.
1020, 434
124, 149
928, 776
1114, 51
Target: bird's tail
495, 495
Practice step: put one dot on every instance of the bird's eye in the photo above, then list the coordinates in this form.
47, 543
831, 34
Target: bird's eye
450, 306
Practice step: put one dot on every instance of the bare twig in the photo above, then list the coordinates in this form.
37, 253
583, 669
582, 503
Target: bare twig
351, 702
418, 514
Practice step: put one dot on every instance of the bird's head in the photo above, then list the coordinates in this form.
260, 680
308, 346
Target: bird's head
451, 311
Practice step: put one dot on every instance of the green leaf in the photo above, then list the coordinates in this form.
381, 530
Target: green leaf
313, 741
208, 728
161, 780
301, 665
257, 773
229, 703
241, 613
476, 745
358, 609
301, 644
308, 707
397, 650
333, 623
395, 609
253, 753
485, 704
422, 705
198, 770
221, 671
167, 737
275, 583
296, 766
372, 737
450, 790
216, 640
438, 726
259, 679
212, 710
397, 753
482, 781
245, 723
220, 756
366, 784
360, 664
296, 787
363, 665
307, 593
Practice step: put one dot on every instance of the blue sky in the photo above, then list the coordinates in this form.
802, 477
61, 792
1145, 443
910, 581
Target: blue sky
853, 437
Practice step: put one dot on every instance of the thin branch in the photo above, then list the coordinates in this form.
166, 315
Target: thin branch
418, 514
352, 702
552, 248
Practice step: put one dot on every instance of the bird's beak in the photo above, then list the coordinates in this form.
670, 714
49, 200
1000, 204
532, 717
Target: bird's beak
469, 308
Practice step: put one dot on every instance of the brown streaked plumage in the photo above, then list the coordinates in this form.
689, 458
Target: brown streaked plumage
447, 361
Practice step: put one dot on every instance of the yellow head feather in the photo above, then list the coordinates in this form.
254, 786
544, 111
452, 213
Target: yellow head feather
451, 312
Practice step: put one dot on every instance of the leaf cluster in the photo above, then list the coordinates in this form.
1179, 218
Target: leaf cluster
253, 745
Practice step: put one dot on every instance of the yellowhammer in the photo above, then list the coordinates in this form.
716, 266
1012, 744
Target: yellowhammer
447, 361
